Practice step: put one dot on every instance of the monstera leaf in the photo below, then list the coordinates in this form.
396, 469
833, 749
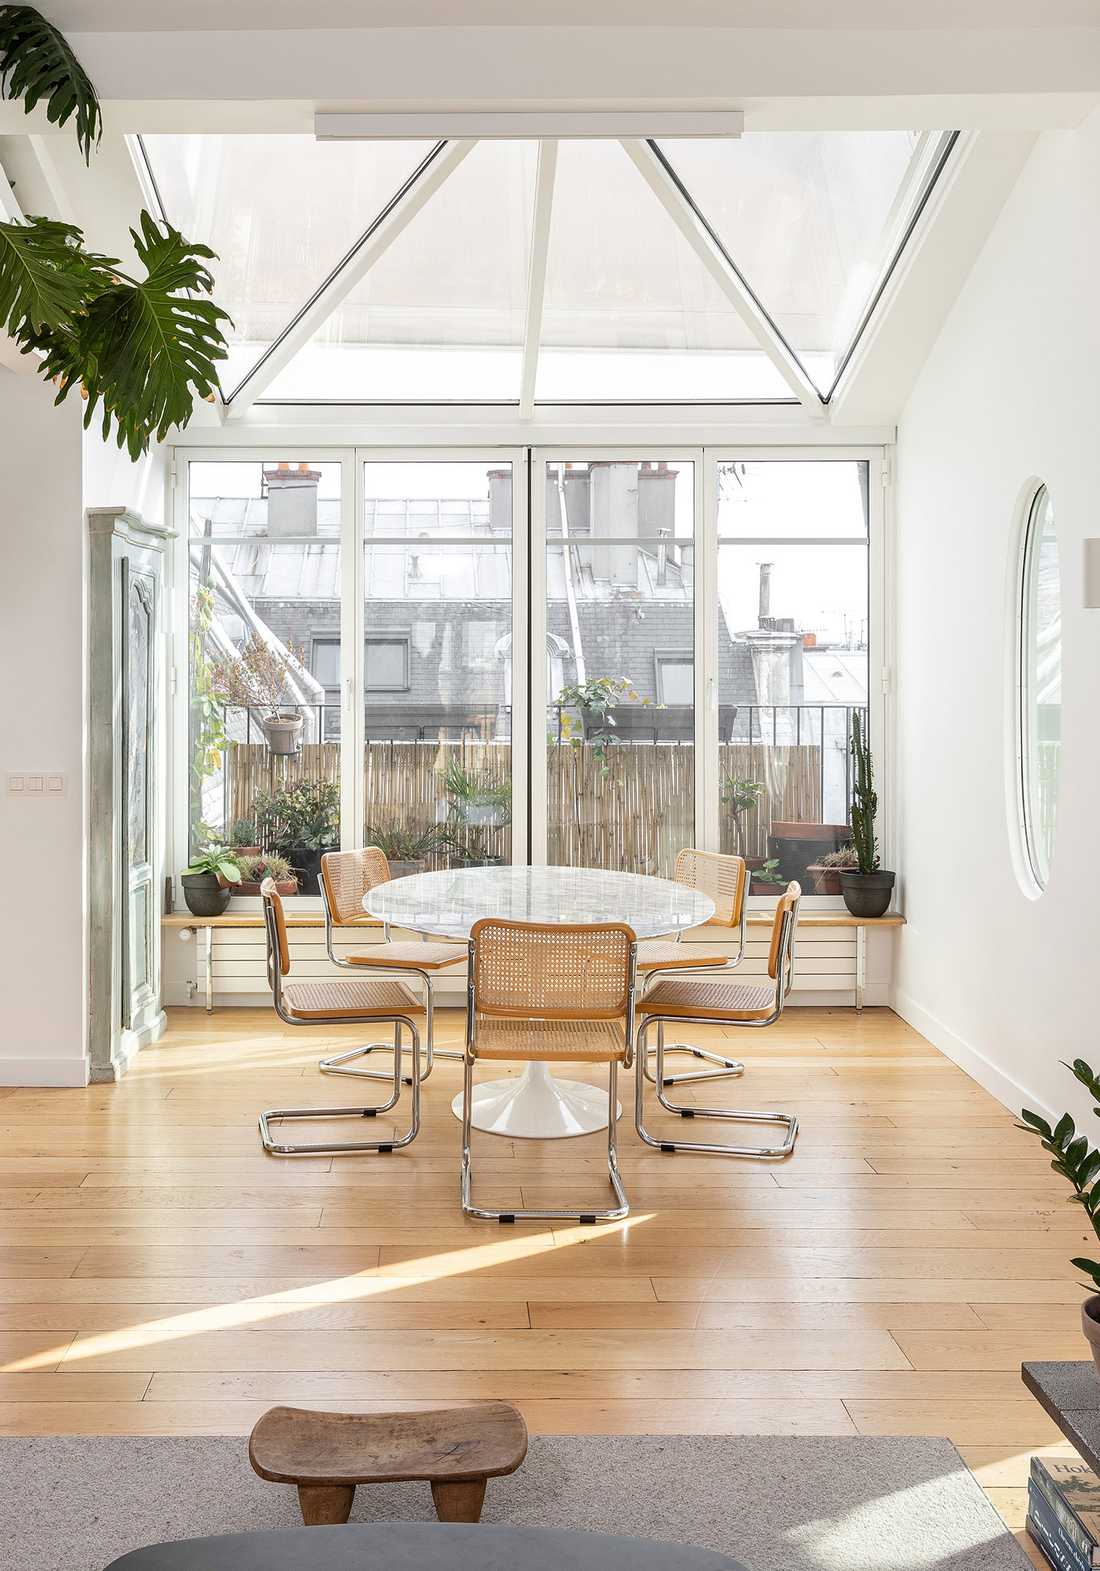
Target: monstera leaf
144, 348
43, 275
36, 63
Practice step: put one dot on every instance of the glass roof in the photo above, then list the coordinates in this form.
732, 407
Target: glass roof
701, 270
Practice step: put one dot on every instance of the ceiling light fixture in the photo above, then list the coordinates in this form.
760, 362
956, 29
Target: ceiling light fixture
501, 125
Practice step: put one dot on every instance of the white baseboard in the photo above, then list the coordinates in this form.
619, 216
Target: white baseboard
43, 1071
1009, 1092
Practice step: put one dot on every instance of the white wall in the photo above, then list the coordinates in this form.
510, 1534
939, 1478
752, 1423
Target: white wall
42, 973
1003, 983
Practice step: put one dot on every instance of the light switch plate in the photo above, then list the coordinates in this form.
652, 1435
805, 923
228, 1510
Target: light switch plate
36, 783
17, 785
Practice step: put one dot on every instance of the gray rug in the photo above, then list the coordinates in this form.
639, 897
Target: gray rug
74, 1503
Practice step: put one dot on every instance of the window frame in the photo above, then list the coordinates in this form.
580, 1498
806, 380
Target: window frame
401, 640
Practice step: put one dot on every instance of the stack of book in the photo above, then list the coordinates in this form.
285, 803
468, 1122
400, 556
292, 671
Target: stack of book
1063, 1512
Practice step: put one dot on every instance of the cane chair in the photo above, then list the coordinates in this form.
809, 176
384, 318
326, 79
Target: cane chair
725, 880
336, 1003
549, 994
346, 876
753, 1005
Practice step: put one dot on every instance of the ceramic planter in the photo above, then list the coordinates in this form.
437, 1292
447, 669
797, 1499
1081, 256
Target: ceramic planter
867, 894
399, 869
1090, 1325
282, 732
204, 895
306, 861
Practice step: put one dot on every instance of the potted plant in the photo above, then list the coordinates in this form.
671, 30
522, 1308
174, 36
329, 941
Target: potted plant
256, 677
826, 872
767, 879
300, 822
593, 720
210, 880
256, 866
1079, 1163
741, 797
866, 891
406, 850
244, 838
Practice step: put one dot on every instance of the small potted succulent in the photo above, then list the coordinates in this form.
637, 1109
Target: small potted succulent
868, 889
826, 872
767, 879
258, 865
1075, 1160
210, 880
256, 677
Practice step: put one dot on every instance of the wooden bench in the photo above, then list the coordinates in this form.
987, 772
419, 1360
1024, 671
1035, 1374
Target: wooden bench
327, 1455
183, 922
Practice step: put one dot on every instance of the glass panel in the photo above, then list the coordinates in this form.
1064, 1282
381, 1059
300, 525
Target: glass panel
280, 211
620, 599
811, 220
792, 662
265, 756
1041, 666
438, 699
630, 311
441, 314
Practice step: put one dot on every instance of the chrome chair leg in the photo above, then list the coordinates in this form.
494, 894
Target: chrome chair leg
730, 1067
336, 1064
277, 1147
610, 1214
787, 1121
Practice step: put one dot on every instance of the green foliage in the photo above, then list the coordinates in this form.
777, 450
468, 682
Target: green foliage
768, 872
595, 698
254, 869
306, 814
1074, 1159
215, 859
140, 350
864, 799
406, 845
471, 795
741, 797
36, 63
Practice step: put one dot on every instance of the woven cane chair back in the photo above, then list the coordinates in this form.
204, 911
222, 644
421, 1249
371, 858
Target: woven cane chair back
523, 969
278, 947
723, 878
348, 876
786, 906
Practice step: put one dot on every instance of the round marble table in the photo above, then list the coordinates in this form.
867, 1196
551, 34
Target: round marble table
536, 1104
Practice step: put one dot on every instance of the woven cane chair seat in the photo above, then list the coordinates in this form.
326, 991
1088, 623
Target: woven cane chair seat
703, 1000
352, 1000
409, 957
549, 1041
659, 954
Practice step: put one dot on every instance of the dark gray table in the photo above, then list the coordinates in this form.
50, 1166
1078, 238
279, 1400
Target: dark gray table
421, 1546
1071, 1395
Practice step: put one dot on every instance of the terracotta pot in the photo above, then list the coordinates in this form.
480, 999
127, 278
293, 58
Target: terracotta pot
283, 886
764, 886
1090, 1325
826, 879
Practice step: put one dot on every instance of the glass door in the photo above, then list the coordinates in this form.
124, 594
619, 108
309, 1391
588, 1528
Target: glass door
440, 659
613, 669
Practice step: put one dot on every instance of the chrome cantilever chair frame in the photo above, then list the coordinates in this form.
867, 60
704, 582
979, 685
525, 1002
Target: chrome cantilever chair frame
279, 1114
788, 1121
728, 1068
482, 1213
338, 1063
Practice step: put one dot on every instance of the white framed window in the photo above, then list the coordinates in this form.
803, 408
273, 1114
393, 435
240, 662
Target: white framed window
1038, 668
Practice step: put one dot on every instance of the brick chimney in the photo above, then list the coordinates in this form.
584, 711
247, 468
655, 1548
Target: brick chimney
291, 500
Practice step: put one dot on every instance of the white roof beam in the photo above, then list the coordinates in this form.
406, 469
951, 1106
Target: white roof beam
536, 277
394, 218
722, 268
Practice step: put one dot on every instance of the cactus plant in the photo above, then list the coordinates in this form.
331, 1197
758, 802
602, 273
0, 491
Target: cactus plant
864, 799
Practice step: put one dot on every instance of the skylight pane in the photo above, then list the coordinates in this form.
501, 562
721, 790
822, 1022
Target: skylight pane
440, 315
630, 311
280, 211
811, 219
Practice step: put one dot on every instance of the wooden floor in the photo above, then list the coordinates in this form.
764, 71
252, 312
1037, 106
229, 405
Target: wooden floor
159, 1274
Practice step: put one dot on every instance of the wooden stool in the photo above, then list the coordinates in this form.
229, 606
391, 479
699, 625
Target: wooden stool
455, 1449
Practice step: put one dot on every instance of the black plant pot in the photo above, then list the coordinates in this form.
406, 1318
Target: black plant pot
306, 862
204, 895
867, 894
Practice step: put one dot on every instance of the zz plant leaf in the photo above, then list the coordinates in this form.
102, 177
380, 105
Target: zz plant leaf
1074, 1159
36, 63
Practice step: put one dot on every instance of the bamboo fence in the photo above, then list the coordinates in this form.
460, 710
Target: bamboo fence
632, 809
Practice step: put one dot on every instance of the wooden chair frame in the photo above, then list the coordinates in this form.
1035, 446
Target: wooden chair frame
276, 970
783, 943
475, 1008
